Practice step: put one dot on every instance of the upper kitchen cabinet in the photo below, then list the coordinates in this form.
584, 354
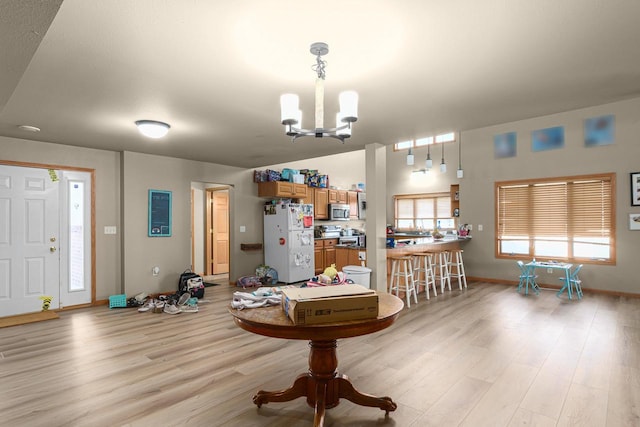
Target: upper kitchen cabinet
321, 203
352, 198
282, 189
338, 196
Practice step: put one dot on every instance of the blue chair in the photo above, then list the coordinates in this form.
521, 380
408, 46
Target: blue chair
527, 277
574, 281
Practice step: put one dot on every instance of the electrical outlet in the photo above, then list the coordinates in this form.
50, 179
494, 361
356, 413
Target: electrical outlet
155, 270
550, 270
480, 227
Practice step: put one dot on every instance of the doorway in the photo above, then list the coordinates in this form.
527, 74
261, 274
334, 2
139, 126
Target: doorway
210, 212
46, 237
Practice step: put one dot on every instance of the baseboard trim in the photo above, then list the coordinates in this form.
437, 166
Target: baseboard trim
545, 285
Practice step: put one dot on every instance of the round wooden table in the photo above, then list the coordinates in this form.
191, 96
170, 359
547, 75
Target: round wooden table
322, 385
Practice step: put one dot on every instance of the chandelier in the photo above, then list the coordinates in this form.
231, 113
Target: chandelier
291, 116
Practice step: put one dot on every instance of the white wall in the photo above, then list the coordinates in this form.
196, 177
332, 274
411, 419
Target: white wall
172, 254
199, 197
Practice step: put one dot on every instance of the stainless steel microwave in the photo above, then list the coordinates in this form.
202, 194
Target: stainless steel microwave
339, 212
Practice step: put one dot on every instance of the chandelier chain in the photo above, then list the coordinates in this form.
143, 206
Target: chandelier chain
319, 67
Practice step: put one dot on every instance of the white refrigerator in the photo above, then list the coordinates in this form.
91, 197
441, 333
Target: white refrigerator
288, 241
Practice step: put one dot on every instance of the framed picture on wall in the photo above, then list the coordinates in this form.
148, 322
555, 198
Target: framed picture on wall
159, 213
547, 139
635, 189
634, 221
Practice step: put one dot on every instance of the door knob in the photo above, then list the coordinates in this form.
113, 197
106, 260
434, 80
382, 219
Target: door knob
52, 249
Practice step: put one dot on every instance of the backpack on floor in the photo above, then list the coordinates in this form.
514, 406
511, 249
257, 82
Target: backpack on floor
192, 283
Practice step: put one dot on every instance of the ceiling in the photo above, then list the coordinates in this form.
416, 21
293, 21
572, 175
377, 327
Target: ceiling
84, 70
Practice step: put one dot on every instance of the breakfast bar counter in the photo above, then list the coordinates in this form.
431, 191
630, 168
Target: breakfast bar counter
422, 244
425, 244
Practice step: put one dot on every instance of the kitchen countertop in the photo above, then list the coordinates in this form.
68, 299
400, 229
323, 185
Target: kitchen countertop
426, 243
351, 247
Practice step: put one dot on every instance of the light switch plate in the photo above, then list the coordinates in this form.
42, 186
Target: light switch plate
110, 229
480, 227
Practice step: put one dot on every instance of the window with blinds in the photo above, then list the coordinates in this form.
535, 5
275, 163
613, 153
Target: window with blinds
566, 218
423, 212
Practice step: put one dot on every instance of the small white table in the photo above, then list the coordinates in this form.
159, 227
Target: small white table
531, 266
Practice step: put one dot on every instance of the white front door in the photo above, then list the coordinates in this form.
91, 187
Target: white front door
29, 239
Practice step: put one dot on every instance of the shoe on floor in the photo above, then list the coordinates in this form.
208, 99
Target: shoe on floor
189, 308
158, 307
171, 309
149, 305
184, 298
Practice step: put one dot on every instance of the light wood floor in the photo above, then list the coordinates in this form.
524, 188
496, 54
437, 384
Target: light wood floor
483, 357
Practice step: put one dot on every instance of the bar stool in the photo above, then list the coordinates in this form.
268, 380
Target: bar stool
441, 268
455, 261
401, 268
423, 272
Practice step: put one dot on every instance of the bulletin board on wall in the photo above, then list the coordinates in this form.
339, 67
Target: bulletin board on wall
159, 213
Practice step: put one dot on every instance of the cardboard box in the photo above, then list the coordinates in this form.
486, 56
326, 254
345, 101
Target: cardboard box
325, 304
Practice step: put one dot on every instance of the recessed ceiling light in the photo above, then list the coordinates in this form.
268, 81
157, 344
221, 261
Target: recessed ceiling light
29, 128
152, 128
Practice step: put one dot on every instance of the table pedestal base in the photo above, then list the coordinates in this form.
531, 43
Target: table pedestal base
323, 386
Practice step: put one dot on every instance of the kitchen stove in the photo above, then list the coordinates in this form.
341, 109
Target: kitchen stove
327, 231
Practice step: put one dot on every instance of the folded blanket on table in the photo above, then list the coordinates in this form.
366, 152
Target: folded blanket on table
254, 299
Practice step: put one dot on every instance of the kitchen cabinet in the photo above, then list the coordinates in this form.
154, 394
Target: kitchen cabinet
455, 200
352, 198
282, 189
318, 256
338, 196
321, 203
347, 256
324, 253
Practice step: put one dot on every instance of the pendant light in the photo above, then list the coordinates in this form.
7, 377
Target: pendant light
443, 165
460, 172
410, 158
429, 162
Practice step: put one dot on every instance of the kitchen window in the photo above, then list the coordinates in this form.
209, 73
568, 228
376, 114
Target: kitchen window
423, 212
568, 219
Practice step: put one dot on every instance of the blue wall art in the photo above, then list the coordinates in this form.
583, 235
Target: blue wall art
504, 145
547, 139
598, 131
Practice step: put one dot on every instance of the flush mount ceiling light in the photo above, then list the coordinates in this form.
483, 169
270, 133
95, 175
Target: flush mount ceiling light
291, 115
152, 128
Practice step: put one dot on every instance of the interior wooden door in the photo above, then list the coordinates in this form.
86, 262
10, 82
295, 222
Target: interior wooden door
218, 231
